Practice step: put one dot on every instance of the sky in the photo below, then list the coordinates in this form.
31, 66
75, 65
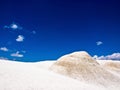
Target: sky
37, 30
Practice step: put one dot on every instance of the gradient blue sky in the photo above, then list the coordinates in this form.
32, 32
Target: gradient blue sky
61, 26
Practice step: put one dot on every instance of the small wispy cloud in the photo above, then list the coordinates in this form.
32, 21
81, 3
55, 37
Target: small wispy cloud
34, 32
6, 27
17, 54
13, 26
3, 58
114, 56
20, 38
99, 43
4, 49
23, 51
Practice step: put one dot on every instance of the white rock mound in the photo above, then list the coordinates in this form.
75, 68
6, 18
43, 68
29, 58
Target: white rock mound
113, 66
81, 66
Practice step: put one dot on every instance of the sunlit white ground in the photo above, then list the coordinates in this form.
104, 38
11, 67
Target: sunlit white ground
37, 76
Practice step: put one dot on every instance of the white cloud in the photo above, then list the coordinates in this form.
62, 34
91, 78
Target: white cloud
20, 38
99, 43
114, 56
4, 49
17, 54
14, 26
95, 57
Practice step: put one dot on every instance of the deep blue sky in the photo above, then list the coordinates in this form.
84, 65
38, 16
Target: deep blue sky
61, 26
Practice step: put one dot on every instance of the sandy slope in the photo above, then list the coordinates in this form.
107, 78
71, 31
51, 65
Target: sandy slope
37, 76
112, 66
28, 76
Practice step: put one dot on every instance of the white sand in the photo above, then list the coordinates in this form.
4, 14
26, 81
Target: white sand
37, 76
28, 76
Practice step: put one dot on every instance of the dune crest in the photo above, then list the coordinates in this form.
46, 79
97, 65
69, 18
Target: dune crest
81, 66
